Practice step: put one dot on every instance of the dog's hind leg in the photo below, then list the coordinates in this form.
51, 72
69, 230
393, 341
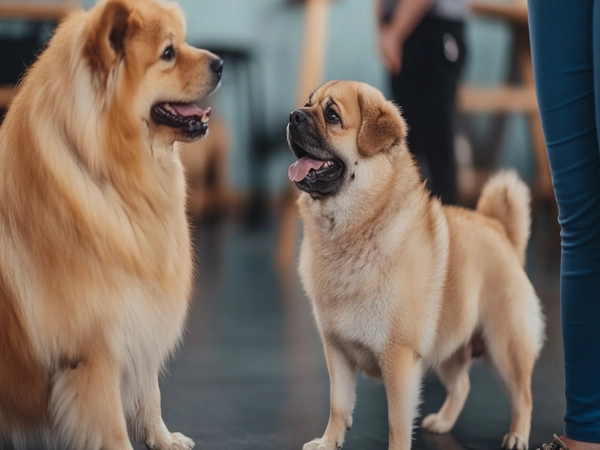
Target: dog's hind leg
513, 358
150, 427
86, 406
454, 375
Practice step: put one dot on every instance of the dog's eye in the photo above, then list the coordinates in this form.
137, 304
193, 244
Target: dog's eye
168, 54
331, 116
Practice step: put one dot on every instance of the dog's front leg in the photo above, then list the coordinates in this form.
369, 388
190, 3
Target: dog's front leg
153, 430
342, 378
86, 403
401, 371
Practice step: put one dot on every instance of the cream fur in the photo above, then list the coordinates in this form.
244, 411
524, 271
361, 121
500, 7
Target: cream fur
400, 283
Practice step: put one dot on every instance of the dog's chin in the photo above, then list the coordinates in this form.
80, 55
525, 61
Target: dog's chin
184, 136
164, 136
184, 122
319, 188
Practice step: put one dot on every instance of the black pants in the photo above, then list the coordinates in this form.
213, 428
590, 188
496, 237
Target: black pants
426, 91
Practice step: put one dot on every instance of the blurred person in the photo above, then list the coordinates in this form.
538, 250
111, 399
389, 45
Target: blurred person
566, 63
422, 46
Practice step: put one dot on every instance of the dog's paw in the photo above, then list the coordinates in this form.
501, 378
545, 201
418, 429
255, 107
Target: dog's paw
435, 424
174, 441
321, 444
348, 422
513, 441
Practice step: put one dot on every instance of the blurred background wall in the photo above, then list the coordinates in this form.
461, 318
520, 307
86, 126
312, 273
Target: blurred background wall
264, 38
272, 31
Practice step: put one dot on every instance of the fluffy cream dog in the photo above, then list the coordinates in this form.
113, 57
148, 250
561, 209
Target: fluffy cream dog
95, 259
400, 283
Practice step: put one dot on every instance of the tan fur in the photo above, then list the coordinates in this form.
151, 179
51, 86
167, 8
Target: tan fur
507, 198
95, 259
400, 283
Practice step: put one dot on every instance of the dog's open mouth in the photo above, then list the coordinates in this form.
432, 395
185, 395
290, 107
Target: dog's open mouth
312, 169
315, 175
188, 117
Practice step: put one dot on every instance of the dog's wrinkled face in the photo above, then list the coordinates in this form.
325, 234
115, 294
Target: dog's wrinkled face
342, 124
139, 46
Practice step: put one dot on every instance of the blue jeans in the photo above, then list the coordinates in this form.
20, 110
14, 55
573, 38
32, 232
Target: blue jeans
565, 39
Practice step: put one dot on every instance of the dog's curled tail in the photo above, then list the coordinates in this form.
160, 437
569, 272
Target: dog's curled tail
506, 197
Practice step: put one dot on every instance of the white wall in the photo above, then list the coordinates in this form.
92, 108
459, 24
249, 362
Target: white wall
272, 30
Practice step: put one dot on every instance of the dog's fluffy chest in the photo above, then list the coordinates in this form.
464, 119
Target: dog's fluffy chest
347, 305
362, 328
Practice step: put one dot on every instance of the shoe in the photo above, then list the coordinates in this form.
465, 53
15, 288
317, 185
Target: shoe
556, 444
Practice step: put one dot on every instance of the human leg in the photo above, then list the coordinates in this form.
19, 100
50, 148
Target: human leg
565, 68
426, 91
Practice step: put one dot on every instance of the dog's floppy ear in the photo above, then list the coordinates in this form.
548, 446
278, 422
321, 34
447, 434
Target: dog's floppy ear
106, 36
381, 126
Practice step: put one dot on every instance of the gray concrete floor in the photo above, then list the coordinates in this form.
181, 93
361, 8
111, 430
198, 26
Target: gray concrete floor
251, 372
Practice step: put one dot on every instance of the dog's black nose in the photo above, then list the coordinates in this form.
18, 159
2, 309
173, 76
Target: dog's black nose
217, 66
297, 116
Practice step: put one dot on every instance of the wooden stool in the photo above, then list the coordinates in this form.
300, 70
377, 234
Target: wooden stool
513, 98
311, 75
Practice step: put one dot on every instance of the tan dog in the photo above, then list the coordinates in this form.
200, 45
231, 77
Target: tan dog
95, 260
400, 283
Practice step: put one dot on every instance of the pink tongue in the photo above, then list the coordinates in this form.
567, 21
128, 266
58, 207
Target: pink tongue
189, 110
298, 171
